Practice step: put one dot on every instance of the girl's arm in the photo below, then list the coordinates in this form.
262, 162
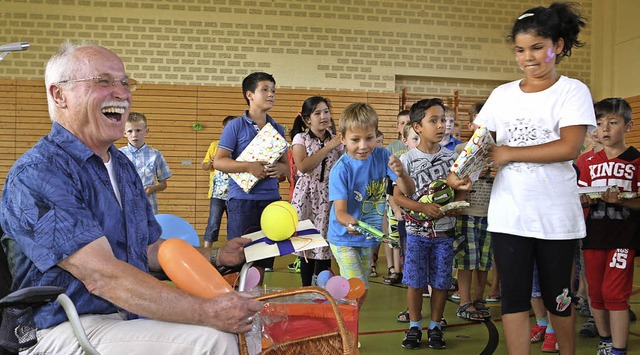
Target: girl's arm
305, 163
564, 149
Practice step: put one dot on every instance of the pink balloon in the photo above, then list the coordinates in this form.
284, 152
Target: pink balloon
252, 279
338, 287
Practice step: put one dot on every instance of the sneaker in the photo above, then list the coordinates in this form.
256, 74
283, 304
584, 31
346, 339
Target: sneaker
550, 345
604, 348
443, 323
436, 338
456, 295
585, 311
632, 315
412, 339
537, 333
589, 329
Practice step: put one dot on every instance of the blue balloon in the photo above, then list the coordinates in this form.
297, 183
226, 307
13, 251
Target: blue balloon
323, 277
176, 227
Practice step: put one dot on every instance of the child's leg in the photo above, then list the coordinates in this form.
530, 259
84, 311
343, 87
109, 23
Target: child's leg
216, 209
485, 257
514, 257
306, 270
440, 264
416, 257
554, 260
353, 262
616, 290
595, 262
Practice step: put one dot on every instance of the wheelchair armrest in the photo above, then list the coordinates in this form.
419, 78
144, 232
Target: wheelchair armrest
31, 296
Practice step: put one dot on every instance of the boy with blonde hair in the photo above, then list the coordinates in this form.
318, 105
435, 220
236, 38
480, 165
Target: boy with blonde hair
149, 162
357, 184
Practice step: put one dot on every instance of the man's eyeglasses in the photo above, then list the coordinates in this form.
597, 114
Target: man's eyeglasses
106, 80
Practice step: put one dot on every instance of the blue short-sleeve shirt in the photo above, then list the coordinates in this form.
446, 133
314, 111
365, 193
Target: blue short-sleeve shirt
363, 184
236, 136
57, 199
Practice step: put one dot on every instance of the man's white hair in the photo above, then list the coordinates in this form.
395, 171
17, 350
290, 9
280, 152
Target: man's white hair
60, 67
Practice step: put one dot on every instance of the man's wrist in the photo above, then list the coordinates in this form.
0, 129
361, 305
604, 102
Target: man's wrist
213, 258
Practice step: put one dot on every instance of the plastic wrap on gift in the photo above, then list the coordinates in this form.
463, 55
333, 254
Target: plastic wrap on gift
267, 146
306, 237
474, 158
597, 191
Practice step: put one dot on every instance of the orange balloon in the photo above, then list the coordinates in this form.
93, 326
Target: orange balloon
190, 270
356, 289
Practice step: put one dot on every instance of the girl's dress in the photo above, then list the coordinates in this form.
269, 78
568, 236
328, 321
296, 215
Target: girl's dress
311, 192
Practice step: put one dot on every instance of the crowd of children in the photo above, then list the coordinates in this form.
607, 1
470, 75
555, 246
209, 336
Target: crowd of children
539, 124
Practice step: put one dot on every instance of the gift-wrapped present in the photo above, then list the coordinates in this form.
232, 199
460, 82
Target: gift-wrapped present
597, 191
267, 146
474, 158
306, 237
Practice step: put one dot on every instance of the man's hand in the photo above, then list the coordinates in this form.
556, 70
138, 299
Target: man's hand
234, 312
232, 252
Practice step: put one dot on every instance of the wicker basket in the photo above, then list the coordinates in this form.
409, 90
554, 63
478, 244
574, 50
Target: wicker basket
332, 343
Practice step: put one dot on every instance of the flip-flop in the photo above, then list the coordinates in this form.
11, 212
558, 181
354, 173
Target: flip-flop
403, 317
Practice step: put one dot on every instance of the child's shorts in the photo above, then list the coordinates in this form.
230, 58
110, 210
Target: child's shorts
472, 244
353, 262
610, 277
428, 261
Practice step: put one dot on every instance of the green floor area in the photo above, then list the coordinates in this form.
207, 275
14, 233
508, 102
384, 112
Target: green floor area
380, 333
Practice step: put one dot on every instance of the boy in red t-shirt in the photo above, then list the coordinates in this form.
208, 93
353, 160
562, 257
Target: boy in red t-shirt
612, 224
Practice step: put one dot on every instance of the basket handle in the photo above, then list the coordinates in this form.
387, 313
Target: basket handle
346, 349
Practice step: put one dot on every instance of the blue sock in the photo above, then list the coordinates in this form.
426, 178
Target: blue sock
550, 329
606, 340
433, 324
417, 324
542, 321
618, 351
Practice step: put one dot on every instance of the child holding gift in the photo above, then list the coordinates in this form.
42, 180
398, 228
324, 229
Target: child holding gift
357, 190
315, 151
535, 215
609, 260
244, 209
429, 251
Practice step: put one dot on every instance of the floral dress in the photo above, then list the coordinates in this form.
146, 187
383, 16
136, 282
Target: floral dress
311, 193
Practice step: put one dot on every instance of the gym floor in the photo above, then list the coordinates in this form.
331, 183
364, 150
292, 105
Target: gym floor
380, 333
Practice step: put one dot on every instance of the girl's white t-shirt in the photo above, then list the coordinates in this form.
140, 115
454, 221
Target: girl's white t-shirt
534, 199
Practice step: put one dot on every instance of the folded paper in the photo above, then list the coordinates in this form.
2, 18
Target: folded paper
474, 158
306, 237
267, 146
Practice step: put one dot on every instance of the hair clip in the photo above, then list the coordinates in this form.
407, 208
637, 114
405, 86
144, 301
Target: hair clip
528, 14
300, 114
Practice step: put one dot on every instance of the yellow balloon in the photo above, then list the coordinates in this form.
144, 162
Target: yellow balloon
279, 220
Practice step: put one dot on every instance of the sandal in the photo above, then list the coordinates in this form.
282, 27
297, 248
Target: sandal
493, 297
373, 273
403, 317
470, 315
481, 306
393, 277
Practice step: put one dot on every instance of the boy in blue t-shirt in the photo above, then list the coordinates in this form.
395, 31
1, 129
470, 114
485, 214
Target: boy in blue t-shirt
429, 251
357, 185
244, 209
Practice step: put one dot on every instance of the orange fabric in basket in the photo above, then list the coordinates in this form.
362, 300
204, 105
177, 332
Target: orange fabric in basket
304, 320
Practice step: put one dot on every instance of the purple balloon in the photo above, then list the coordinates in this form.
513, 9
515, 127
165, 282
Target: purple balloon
253, 277
323, 277
338, 287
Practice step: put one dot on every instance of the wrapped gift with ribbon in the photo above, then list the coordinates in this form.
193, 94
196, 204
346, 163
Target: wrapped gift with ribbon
474, 158
305, 237
267, 146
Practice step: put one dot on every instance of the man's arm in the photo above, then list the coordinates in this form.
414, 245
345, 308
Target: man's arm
138, 292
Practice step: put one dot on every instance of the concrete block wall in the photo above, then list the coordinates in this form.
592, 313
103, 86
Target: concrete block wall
359, 45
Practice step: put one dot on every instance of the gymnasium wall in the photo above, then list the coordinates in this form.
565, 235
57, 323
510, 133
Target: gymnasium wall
429, 46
